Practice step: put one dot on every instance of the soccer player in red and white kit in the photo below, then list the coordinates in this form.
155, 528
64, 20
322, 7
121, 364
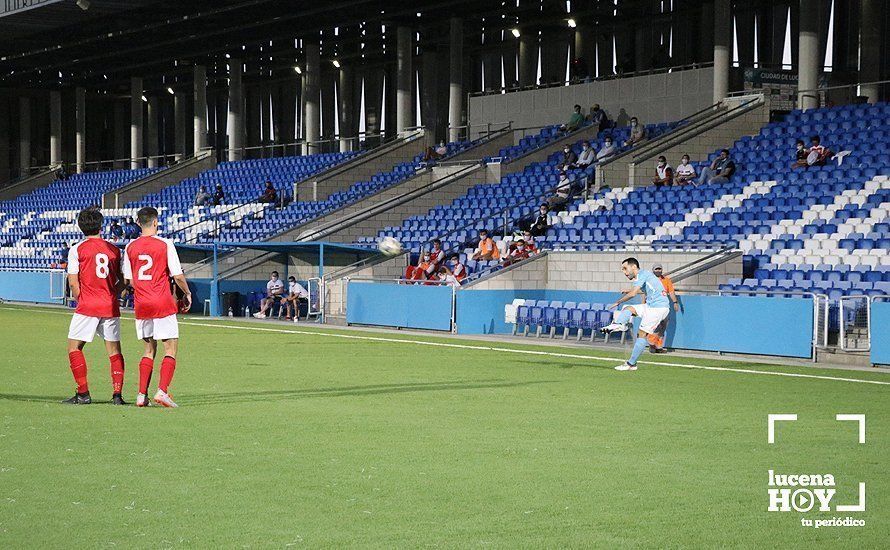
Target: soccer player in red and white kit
149, 262
94, 277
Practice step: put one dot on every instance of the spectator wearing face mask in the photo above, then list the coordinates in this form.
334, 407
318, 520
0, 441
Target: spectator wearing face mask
457, 269
608, 150
637, 133
664, 173
518, 252
539, 226
569, 158
587, 156
685, 172
599, 118
818, 154
563, 192
800, 155
486, 249
719, 171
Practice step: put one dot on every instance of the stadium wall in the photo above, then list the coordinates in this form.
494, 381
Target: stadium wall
402, 306
31, 286
651, 98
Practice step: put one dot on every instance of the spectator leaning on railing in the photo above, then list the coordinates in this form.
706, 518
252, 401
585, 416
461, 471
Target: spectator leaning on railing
518, 252
457, 269
607, 151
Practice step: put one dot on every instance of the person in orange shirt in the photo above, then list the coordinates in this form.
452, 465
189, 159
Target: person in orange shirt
656, 341
457, 269
422, 270
487, 249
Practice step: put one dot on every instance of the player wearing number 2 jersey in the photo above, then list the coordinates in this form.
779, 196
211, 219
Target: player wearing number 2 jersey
94, 278
149, 263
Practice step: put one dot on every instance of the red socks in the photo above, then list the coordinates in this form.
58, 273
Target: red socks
117, 373
78, 365
146, 365
168, 366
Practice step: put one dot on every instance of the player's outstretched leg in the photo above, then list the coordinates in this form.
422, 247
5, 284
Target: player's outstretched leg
168, 367
78, 364
620, 321
146, 366
639, 346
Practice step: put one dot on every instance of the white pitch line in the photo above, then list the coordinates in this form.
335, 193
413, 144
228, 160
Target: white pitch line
508, 350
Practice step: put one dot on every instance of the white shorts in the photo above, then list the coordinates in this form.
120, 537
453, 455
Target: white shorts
650, 317
83, 328
164, 328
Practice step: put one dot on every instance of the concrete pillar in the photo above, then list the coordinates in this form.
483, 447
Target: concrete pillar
236, 110
870, 49
347, 109
528, 56
722, 48
404, 79
180, 104
24, 135
200, 120
456, 81
311, 91
5, 130
121, 135
80, 129
808, 57
265, 121
152, 146
55, 128
136, 122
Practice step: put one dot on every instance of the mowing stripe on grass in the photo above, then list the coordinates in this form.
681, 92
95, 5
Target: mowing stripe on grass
504, 350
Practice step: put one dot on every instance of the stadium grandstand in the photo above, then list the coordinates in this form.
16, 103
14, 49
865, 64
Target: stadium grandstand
506, 184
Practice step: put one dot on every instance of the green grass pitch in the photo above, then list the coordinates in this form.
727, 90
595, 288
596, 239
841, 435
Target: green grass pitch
311, 439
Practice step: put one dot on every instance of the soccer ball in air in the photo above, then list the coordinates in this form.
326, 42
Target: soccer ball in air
389, 246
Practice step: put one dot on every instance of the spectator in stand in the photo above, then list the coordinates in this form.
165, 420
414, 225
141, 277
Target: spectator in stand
685, 172
202, 197
598, 117
487, 249
664, 173
587, 156
424, 269
274, 292
430, 155
637, 132
219, 196
518, 252
131, 230
818, 154
569, 158
539, 225
719, 171
800, 155
442, 149
608, 150
575, 121
270, 195
530, 243
291, 302
457, 269
117, 232
437, 255
558, 201
656, 340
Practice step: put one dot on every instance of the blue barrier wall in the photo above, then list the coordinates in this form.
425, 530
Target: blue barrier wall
29, 286
880, 332
733, 324
405, 306
482, 311
201, 291
744, 324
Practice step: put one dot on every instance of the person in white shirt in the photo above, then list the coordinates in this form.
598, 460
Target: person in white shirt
664, 174
442, 150
558, 201
587, 156
685, 172
291, 302
274, 291
608, 150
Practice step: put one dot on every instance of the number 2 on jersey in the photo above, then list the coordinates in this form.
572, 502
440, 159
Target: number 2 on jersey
144, 275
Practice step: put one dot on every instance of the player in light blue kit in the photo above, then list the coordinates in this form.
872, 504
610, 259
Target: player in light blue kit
652, 312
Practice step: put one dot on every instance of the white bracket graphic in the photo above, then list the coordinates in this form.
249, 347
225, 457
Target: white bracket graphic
771, 424
857, 418
854, 507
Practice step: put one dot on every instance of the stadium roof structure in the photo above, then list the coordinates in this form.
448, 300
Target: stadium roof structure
308, 251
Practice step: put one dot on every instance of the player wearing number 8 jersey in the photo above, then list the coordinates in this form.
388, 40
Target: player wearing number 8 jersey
94, 279
149, 263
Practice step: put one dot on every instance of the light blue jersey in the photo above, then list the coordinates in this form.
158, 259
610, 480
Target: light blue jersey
651, 285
